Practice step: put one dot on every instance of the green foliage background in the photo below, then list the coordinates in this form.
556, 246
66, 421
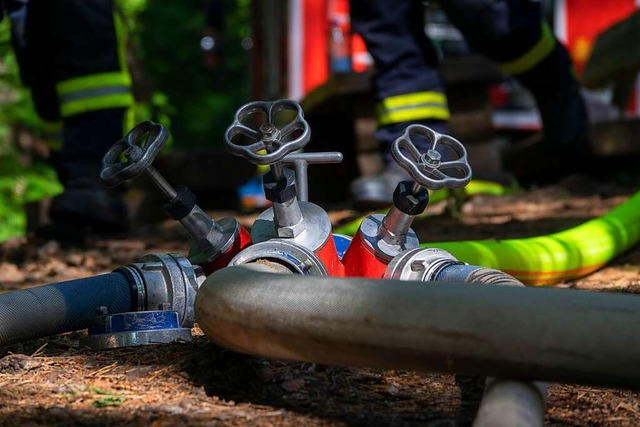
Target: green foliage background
22, 178
202, 101
197, 104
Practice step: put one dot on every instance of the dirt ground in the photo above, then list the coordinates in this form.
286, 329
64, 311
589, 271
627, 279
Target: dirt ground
56, 382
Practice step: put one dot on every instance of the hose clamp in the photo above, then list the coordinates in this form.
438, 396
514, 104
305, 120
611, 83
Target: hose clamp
420, 264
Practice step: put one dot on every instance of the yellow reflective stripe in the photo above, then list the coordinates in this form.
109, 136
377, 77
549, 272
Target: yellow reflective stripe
412, 107
413, 114
533, 56
102, 102
93, 81
94, 92
412, 99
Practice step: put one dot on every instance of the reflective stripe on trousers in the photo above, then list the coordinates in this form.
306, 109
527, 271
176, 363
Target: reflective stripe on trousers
94, 92
411, 107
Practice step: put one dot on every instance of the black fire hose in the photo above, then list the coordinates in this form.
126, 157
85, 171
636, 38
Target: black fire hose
61, 307
157, 281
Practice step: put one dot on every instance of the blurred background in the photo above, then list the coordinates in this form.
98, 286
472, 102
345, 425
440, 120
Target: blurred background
191, 79
173, 85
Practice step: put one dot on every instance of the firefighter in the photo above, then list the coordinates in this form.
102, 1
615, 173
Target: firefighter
409, 89
73, 60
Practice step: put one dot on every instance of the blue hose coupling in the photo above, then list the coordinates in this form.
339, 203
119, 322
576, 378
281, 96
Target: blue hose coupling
135, 329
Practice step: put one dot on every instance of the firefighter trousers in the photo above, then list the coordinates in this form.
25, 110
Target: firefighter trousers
74, 63
512, 33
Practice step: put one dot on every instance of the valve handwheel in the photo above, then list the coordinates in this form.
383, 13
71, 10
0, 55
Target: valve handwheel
133, 154
268, 137
428, 169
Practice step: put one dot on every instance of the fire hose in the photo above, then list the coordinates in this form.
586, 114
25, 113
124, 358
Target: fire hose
503, 331
557, 257
157, 282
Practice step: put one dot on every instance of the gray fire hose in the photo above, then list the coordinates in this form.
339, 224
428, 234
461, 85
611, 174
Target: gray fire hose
158, 281
505, 402
494, 331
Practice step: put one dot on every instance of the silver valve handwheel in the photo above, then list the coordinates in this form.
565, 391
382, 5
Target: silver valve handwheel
269, 136
428, 169
133, 154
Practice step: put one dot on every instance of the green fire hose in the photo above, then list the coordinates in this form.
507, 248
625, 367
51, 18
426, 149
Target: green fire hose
557, 257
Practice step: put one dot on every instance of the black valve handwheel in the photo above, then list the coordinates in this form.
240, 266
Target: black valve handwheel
133, 154
267, 138
428, 169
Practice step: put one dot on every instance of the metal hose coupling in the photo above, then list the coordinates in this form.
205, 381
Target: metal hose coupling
164, 281
282, 256
420, 264
434, 264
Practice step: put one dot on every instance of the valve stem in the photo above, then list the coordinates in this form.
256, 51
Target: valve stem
409, 200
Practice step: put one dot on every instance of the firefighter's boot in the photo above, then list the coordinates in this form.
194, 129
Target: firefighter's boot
86, 207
